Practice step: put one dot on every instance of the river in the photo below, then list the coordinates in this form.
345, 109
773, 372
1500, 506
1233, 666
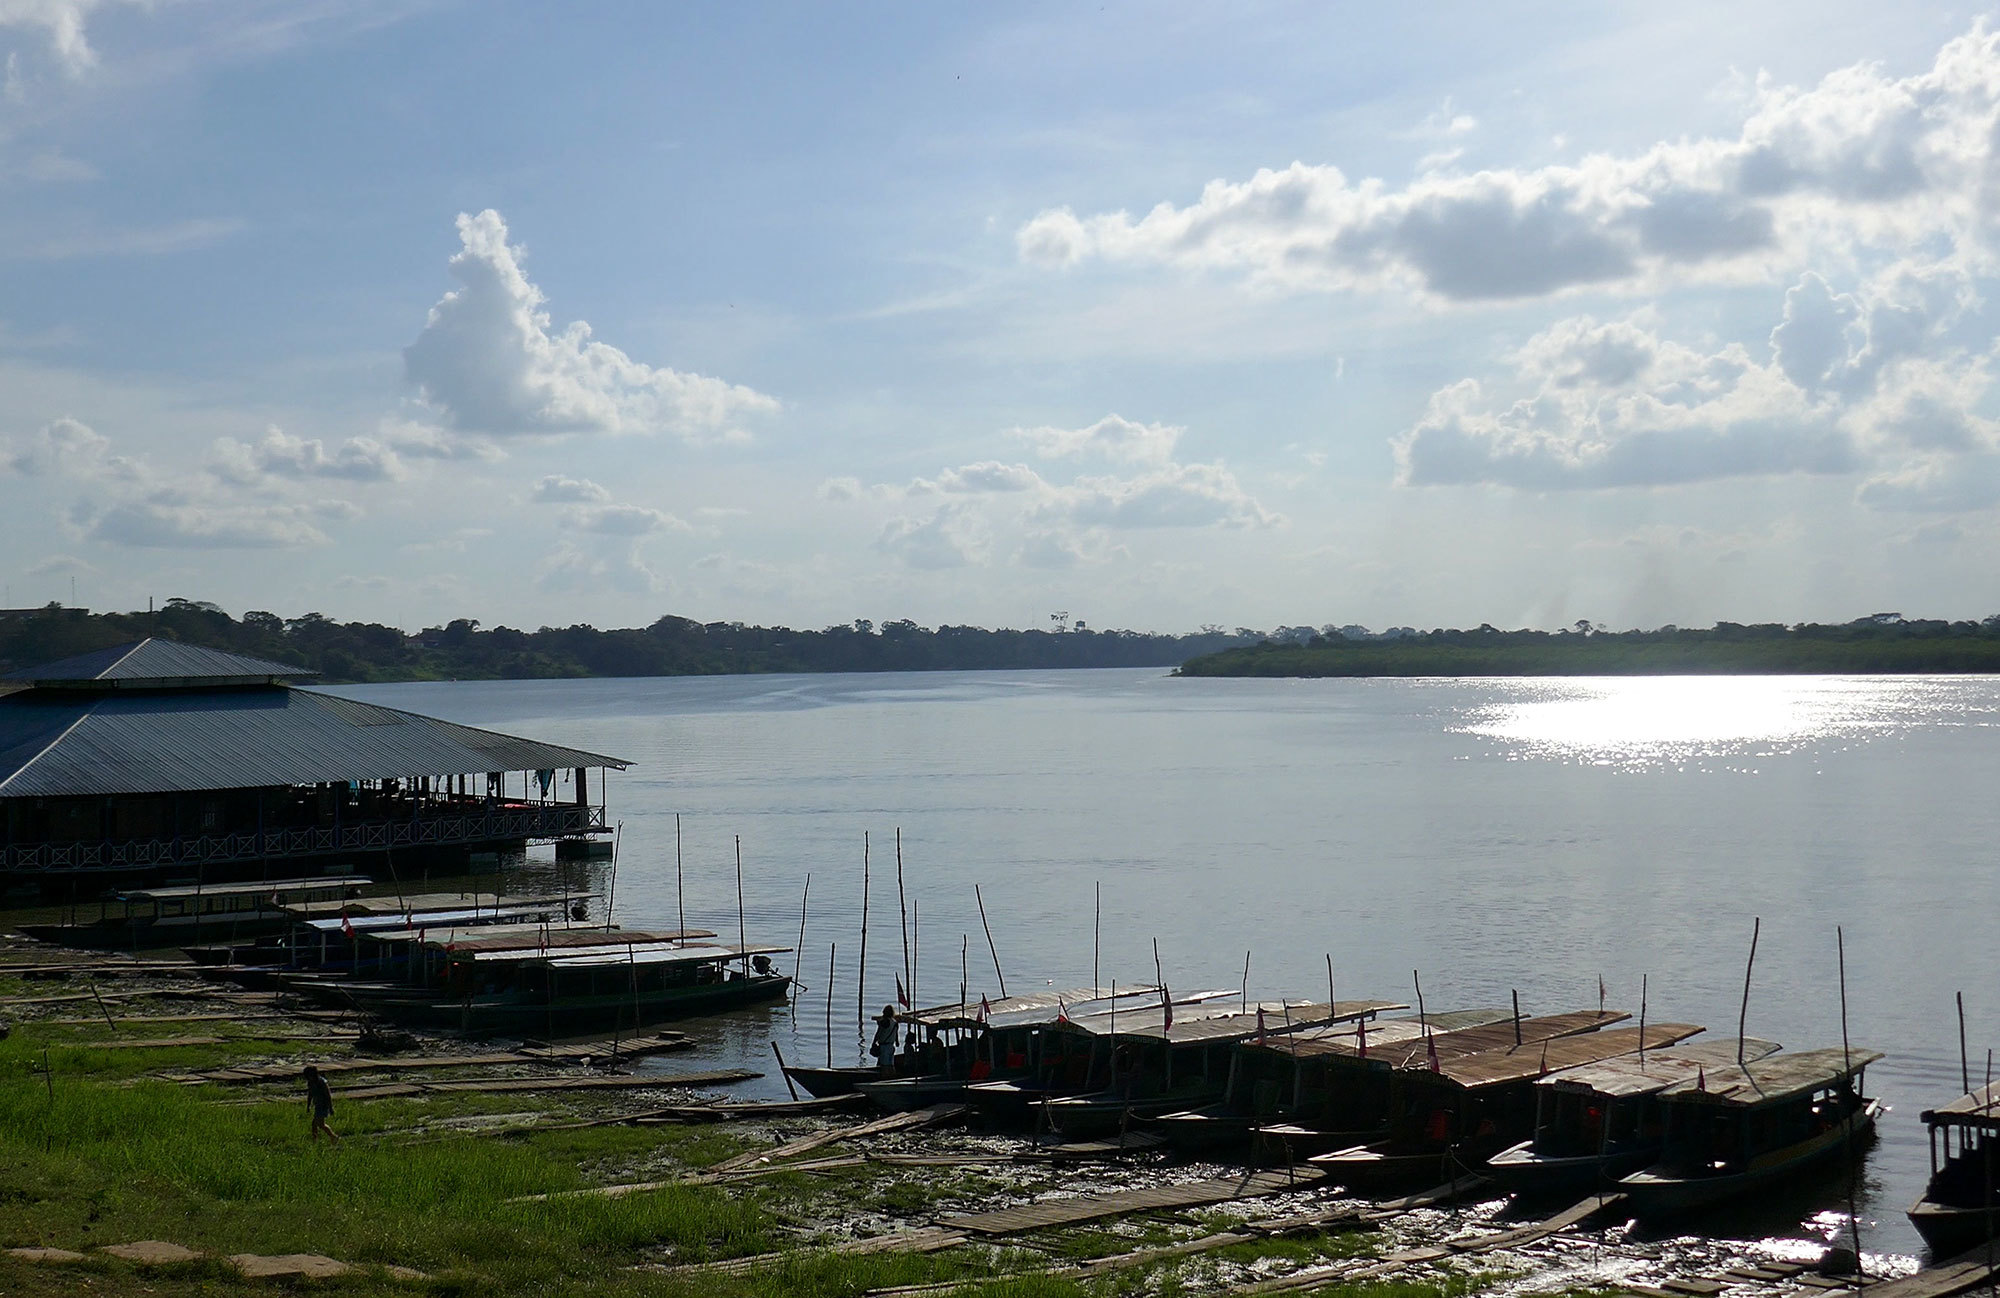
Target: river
1492, 835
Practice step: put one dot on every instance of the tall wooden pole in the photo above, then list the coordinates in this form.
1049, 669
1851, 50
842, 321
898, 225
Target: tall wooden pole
1331, 1012
742, 939
799, 953
861, 978
1847, 1061
1642, 1018
916, 953
680, 892
1246, 983
903, 909
991, 950
1964, 1068
831, 947
1096, 938
1517, 1015
1743, 1015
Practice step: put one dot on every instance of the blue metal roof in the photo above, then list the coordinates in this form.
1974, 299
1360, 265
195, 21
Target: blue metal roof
157, 664
56, 743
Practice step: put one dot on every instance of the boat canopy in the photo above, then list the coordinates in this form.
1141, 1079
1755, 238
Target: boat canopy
269, 887
1533, 1059
1656, 1070
1768, 1081
1979, 1109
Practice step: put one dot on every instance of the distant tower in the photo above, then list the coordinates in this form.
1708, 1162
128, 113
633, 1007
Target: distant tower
1061, 620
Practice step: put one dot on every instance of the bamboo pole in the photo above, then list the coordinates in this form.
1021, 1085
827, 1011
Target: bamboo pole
903, 909
1847, 1061
1332, 1010
799, 952
1743, 1015
1964, 1068
680, 892
1096, 937
991, 949
742, 940
916, 952
783, 1072
1517, 1015
861, 974
831, 947
1246, 983
611, 893
1642, 1019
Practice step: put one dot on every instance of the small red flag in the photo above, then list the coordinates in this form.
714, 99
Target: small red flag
1260, 1025
345, 925
1167, 1003
902, 997
984, 1008
1062, 1010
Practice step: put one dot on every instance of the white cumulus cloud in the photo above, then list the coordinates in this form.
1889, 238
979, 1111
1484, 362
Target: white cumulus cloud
488, 361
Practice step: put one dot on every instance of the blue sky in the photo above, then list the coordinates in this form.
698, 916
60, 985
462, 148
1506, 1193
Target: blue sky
1163, 315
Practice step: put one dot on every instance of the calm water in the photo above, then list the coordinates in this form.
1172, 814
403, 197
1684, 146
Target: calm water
1494, 835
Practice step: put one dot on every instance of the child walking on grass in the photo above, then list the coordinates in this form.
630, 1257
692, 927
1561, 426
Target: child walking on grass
319, 1098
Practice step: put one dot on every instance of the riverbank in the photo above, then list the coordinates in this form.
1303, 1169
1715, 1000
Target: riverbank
1867, 648
128, 1115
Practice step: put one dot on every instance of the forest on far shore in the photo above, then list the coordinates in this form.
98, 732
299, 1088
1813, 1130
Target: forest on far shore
676, 646
672, 646
1880, 644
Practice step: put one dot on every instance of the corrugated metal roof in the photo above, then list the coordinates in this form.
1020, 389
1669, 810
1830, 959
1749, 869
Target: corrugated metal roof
177, 741
157, 662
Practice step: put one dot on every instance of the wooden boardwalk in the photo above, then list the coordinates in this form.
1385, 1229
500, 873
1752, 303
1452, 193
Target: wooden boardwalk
1095, 1207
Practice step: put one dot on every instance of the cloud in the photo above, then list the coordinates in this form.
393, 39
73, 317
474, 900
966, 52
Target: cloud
172, 520
62, 21
621, 520
70, 448
556, 489
947, 539
420, 441
1937, 484
62, 565
1860, 159
279, 454
840, 489
1113, 438
1596, 405
571, 570
1176, 495
488, 362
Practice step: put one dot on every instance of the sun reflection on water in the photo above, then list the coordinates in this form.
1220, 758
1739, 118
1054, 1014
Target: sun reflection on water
1646, 722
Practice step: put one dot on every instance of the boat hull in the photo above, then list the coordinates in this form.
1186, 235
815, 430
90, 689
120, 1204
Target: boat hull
1083, 1117
907, 1094
1523, 1171
1950, 1230
822, 1083
1658, 1191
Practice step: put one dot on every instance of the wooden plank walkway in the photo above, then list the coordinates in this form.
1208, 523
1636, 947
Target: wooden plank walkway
935, 1115
506, 1085
1968, 1270
1096, 1207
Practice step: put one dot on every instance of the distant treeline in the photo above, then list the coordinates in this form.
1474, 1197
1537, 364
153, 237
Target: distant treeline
672, 646
1884, 643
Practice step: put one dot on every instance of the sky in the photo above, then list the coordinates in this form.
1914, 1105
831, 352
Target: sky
1157, 315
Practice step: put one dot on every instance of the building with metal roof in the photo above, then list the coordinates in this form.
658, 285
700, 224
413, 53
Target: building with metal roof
158, 758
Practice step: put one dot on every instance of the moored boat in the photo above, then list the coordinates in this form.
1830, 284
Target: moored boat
1601, 1121
1960, 1208
1730, 1131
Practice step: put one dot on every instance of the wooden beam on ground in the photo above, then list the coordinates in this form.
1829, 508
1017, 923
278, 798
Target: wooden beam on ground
1096, 1207
935, 1115
1968, 1270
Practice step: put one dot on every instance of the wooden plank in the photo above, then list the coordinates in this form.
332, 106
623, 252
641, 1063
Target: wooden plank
718, 1077
1968, 1270
1079, 1208
1570, 1216
937, 1113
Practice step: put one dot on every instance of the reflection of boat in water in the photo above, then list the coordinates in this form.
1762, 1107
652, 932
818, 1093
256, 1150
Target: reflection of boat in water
1961, 1204
1733, 1130
1601, 1121
1449, 1116
143, 918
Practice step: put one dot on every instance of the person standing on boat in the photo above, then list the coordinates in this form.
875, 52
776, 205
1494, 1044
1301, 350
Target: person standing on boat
319, 1098
884, 1045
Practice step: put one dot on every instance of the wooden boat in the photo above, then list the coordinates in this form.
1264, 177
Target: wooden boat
1449, 1116
144, 918
1159, 1066
1961, 1205
823, 1083
1731, 1131
1601, 1121
1340, 1079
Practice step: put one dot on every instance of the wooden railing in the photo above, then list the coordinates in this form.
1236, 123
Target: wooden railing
487, 825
